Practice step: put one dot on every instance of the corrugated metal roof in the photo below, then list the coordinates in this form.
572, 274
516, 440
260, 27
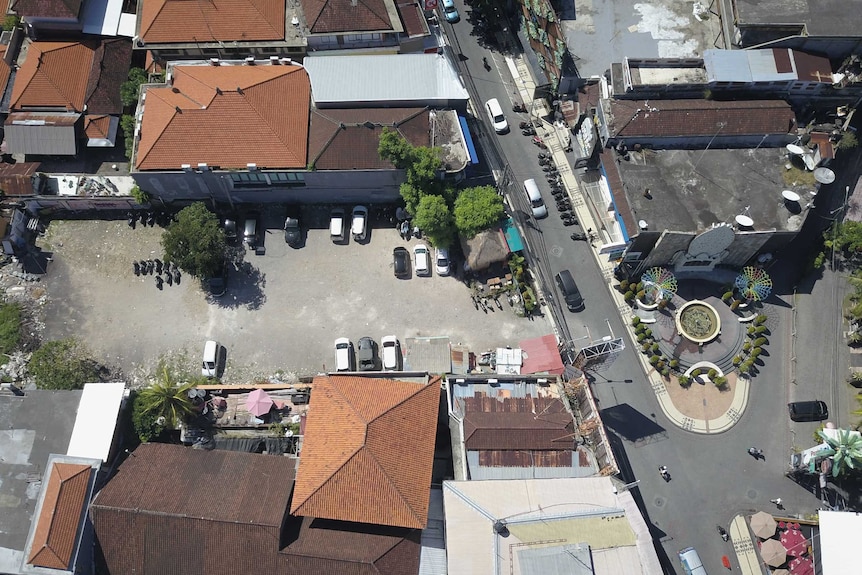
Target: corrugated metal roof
431, 354
726, 66
771, 65
432, 560
427, 79
44, 133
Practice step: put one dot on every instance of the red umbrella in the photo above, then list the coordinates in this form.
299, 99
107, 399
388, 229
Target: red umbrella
258, 402
802, 566
795, 542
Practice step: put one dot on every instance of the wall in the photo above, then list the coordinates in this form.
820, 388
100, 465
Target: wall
374, 186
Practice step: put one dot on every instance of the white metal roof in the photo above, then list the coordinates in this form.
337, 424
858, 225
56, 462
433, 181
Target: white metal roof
405, 79
839, 535
745, 66
96, 421
570, 512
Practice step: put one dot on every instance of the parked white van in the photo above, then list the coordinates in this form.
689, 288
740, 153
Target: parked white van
535, 198
495, 112
336, 225
210, 363
691, 562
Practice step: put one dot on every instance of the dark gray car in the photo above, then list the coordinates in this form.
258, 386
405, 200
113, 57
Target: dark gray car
367, 354
292, 232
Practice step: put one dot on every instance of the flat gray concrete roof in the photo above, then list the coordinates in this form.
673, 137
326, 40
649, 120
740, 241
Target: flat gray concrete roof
33, 427
599, 32
693, 189
821, 17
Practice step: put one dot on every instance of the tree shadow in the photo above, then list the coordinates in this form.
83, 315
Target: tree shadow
245, 287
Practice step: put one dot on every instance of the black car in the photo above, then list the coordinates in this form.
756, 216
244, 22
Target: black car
292, 232
366, 352
571, 294
217, 284
808, 410
401, 262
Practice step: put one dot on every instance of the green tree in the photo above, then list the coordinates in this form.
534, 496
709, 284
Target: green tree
63, 364
10, 22
411, 196
127, 125
436, 221
478, 209
845, 451
195, 242
848, 141
424, 168
163, 404
393, 147
10, 327
130, 88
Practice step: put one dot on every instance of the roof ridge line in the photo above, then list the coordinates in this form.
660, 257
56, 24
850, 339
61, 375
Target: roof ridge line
48, 77
398, 491
139, 511
263, 118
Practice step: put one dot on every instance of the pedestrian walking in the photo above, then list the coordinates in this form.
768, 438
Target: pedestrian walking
777, 502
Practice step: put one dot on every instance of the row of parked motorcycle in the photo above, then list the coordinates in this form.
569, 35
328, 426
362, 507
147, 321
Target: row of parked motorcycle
149, 218
157, 267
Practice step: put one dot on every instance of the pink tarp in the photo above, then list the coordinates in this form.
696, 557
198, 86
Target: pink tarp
541, 355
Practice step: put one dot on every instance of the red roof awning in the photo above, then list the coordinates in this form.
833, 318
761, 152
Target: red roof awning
541, 355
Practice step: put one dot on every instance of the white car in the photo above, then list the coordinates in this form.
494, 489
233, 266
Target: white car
391, 355
359, 224
343, 354
421, 260
441, 262
495, 113
209, 365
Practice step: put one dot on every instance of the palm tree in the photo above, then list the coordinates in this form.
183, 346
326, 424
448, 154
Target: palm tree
845, 451
167, 398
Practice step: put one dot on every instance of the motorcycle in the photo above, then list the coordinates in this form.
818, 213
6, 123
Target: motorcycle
133, 219
539, 142
485, 64
523, 125
665, 474
529, 131
543, 155
545, 161
723, 532
550, 169
137, 267
519, 108
579, 237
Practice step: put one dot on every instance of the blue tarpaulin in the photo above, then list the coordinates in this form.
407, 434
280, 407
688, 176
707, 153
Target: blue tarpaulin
513, 238
471, 148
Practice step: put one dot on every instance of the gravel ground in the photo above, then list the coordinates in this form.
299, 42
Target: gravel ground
281, 312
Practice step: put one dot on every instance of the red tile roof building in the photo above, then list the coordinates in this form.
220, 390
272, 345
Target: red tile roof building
339, 16
227, 117
164, 21
56, 537
368, 451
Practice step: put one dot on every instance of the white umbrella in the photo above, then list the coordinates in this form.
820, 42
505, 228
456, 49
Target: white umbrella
763, 525
773, 552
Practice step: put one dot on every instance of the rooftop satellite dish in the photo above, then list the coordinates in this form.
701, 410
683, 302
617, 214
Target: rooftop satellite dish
794, 149
808, 160
744, 221
790, 196
642, 224
824, 175
500, 528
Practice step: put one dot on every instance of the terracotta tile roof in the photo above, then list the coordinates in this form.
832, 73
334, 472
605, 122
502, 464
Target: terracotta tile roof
326, 546
412, 18
97, 126
17, 179
333, 16
228, 117
339, 139
513, 423
5, 69
70, 75
57, 526
165, 21
667, 118
368, 451
110, 69
166, 499
47, 8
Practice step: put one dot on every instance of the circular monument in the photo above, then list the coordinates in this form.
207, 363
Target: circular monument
698, 321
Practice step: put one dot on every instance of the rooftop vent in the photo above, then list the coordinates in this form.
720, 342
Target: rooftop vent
249, 60
251, 167
214, 61
273, 59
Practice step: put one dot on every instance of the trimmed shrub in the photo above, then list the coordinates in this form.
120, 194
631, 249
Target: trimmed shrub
720, 381
674, 363
727, 296
636, 321
750, 330
696, 373
756, 352
760, 329
665, 372
654, 347
629, 296
624, 285
684, 380
746, 346
760, 319
641, 295
641, 337
759, 342
648, 332
654, 360
737, 360
734, 304
712, 373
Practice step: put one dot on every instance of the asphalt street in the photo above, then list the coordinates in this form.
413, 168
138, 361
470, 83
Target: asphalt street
713, 477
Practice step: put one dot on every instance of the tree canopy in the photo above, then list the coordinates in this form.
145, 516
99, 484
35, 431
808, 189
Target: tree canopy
435, 219
195, 242
130, 88
845, 451
163, 404
478, 209
421, 164
63, 364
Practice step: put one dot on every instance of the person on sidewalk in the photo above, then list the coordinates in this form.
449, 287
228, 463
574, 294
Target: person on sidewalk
777, 502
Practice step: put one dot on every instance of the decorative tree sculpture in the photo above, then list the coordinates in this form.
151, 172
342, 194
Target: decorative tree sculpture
753, 284
658, 284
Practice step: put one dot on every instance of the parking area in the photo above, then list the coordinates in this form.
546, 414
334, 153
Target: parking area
282, 310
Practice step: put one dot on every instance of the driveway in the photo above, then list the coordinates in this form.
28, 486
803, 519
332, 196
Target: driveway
281, 312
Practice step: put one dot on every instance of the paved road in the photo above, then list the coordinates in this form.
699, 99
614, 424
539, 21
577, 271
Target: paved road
714, 479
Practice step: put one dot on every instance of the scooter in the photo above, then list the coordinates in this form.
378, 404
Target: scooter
665, 474
519, 108
133, 219
579, 237
529, 131
485, 64
545, 161
550, 169
539, 142
543, 155
723, 532
523, 125
137, 267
